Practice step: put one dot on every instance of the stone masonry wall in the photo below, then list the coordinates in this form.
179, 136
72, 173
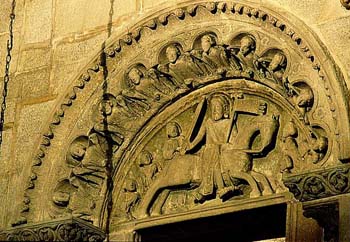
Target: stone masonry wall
55, 39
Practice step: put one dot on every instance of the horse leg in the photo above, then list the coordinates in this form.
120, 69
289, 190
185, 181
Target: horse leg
251, 181
146, 201
266, 184
157, 210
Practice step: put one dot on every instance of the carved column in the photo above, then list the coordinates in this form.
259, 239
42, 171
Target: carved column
68, 229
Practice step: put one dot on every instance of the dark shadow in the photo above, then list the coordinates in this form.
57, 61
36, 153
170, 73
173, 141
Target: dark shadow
250, 225
109, 151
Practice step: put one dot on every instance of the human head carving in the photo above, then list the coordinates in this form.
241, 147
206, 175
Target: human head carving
130, 185
207, 41
135, 75
219, 106
247, 45
77, 150
145, 158
106, 105
278, 60
172, 52
173, 130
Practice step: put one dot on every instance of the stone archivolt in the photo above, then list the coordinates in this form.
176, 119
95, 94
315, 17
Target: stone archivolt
205, 115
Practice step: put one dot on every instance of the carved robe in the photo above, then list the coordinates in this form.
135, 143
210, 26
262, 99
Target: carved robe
184, 69
216, 133
216, 58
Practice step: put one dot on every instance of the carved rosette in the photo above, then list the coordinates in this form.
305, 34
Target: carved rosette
71, 229
228, 108
319, 184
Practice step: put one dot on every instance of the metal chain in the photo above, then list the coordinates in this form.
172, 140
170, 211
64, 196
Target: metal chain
7, 70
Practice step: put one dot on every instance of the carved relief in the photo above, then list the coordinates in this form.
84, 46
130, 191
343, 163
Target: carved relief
182, 67
230, 114
224, 125
78, 194
319, 184
71, 229
272, 65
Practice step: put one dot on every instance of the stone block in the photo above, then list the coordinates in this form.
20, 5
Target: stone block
5, 10
3, 197
33, 58
62, 76
34, 83
81, 15
12, 87
336, 34
311, 11
32, 118
38, 21
10, 112
79, 50
6, 149
14, 53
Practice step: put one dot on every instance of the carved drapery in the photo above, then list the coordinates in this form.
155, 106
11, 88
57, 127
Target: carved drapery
218, 110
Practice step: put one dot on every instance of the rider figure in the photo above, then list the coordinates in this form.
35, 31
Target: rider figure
215, 129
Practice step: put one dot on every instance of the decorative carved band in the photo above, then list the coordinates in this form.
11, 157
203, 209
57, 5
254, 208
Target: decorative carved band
69, 229
319, 184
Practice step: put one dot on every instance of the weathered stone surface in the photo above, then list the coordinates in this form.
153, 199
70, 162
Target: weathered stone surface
338, 43
31, 120
13, 87
38, 21
63, 75
34, 57
4, 182
312, 12
5, 10
68, 18
10, 113
70, 51
39, 76
6, 152
14, 52
47, 60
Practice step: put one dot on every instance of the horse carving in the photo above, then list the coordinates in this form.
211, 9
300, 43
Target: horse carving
226, 152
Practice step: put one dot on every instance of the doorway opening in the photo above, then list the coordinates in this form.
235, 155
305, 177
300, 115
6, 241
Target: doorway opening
257, 224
